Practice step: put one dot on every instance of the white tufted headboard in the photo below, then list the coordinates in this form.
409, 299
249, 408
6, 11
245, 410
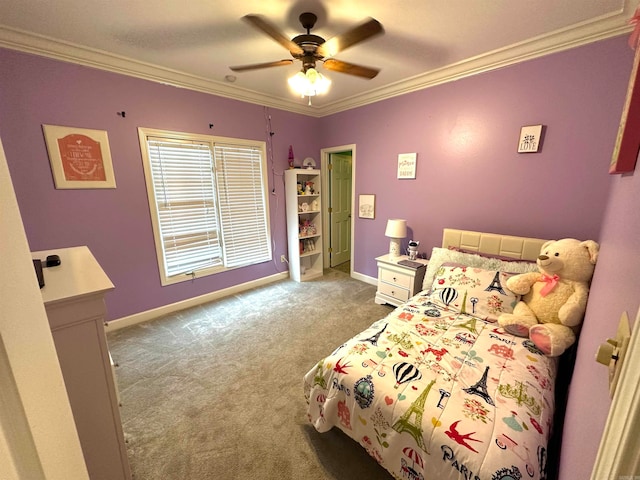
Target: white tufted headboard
506, 245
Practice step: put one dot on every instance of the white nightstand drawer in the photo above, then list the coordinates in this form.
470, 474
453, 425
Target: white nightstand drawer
396, 278
397, 283
394, 291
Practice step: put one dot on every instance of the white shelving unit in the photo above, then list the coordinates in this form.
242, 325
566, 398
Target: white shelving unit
304, 223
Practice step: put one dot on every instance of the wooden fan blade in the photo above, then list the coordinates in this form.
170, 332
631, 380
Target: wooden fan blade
255, 66
357, 34
350, 68
261, 24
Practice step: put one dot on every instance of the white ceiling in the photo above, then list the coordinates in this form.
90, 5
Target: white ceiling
192, 43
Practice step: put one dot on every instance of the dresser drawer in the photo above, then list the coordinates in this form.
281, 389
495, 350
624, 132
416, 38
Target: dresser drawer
393, 291
396, 278
397, 283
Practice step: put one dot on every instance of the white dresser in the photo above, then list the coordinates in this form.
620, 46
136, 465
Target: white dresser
73, 297
397, 283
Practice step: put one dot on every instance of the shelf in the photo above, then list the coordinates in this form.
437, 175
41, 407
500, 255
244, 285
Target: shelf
310, 275
311, 261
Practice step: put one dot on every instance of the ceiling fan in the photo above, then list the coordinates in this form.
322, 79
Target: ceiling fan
310, 48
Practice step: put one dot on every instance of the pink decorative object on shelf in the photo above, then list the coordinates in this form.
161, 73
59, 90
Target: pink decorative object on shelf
290, 156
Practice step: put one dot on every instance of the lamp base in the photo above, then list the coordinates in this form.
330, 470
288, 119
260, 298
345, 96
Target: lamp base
394, 247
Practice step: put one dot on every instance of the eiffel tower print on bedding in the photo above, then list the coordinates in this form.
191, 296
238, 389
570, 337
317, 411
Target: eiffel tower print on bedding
436, 390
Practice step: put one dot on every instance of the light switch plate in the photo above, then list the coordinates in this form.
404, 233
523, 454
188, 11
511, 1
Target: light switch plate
623, 335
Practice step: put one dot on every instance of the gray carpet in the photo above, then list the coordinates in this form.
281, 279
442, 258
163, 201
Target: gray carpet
215, 392
344, 267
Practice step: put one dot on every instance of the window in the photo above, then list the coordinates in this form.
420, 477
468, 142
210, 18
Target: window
208, 202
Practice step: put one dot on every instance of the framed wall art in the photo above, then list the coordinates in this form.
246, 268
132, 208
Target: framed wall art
367, 206
625, 151
80, 158
530, 138
407, 165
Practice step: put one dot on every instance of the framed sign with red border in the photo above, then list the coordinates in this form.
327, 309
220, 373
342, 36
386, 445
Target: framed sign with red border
80, 158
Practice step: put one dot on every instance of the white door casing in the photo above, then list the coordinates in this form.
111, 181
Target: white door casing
340, 203
618, 456
324, 162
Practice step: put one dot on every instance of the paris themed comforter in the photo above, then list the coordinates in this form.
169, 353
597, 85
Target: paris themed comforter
437, 390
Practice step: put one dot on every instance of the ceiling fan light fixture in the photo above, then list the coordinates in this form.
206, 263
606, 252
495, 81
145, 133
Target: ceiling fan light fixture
310, 48
309, 83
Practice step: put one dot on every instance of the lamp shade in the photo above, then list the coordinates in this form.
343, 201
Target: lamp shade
396, 228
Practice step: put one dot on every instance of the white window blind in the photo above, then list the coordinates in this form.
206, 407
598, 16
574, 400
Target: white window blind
183, 188
210, 203
241, 194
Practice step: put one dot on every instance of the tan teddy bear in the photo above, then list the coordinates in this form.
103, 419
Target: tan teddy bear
555, 298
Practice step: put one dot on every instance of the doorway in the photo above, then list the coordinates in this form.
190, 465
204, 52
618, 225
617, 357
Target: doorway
338, 169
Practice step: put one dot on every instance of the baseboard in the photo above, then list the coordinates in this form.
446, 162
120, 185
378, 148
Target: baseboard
148, 315
364, 278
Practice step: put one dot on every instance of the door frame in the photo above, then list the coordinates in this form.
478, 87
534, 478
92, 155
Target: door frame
325, 154
619, 451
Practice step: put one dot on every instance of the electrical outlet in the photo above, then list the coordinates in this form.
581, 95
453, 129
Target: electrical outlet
283, 259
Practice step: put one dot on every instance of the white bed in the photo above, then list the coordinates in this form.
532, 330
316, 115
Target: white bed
436, 389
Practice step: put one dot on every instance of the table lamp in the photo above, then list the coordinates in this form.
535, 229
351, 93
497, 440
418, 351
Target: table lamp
396, 231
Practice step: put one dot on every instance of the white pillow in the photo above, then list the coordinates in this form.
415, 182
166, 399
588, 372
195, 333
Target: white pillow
444, 255
473, 290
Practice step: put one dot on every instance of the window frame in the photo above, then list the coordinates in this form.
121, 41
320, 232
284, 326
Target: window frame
211, 141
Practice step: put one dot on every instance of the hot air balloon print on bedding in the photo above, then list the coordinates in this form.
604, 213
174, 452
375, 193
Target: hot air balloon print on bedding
448, 295
405, 372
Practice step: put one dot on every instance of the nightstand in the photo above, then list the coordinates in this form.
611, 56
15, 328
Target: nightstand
398, 283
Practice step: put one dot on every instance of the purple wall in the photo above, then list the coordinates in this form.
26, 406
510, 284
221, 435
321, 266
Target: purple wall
615, 288
465, 133
116, 224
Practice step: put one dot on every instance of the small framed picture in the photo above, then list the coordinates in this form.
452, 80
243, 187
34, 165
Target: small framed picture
625, 151
367, 206
530, 137
407, 165
80, 158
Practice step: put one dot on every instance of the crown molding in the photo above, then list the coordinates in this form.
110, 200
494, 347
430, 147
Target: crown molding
44, 46
609, 26
601, 28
